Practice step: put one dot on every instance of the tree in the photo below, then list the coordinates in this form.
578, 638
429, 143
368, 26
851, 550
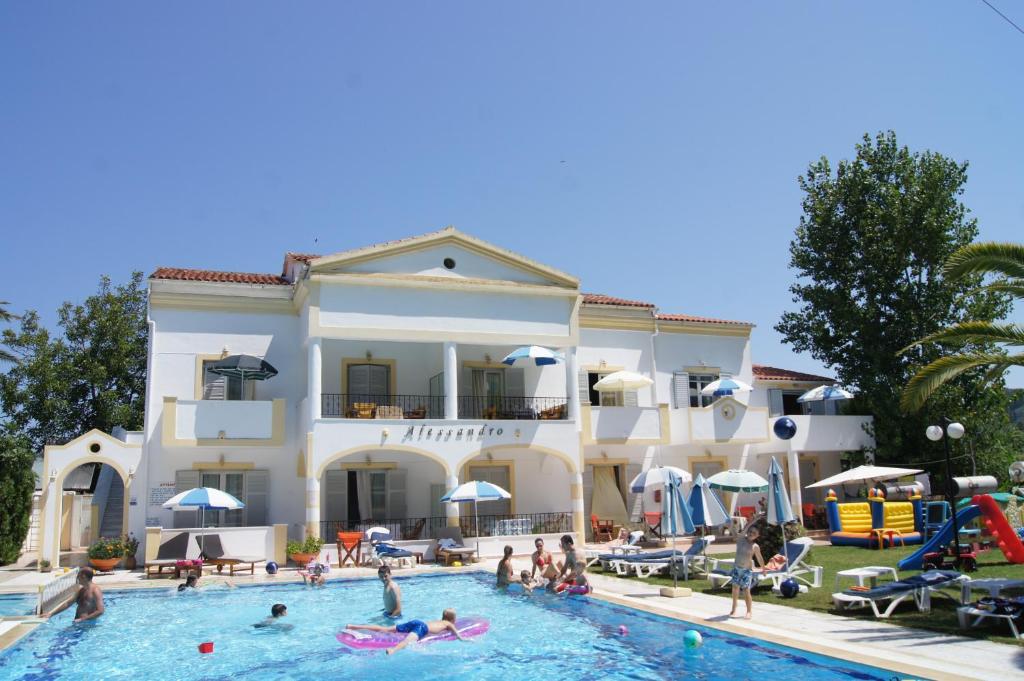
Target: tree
92, 375
1006, 260
17, 483
6, 317
869, 251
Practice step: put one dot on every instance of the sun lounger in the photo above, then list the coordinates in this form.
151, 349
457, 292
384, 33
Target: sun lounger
996, 608
603, 553
796, 554
646, 564
457, 550
214, 554
918, 589
171, 554
389, 554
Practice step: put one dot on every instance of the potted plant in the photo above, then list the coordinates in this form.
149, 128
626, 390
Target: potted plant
131, 547
304, 551
44, 565
105, 553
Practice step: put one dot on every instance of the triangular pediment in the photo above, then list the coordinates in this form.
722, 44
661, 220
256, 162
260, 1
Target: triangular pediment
447, 253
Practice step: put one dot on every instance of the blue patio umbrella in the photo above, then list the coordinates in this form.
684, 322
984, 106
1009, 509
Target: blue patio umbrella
825, 393
475, 491
676, 519
725, 386
780, 511
203, 498
532, 355
706, 508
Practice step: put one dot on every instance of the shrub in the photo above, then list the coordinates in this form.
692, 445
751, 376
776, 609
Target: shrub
131, 545
17, 483
107, 547
311, 545
770, 539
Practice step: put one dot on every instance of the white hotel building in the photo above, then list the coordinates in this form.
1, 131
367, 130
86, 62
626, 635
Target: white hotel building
390, 390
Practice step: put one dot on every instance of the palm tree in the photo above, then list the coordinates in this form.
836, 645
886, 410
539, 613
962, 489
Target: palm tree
1002, 259
6, 316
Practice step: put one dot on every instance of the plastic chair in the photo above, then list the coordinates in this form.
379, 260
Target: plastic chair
601, 528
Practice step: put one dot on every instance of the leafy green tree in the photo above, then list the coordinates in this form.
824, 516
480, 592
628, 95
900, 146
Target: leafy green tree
5, 317
1006, 261
90, 375
16, 485
869, 251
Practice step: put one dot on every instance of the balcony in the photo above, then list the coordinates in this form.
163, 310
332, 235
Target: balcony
404, 407
626, 425
219, 423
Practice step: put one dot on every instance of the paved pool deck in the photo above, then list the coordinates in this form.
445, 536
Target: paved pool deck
912, 653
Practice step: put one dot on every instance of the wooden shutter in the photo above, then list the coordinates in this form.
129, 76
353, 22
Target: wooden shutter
214, 386
681, 389
515, 383
629, 398
358, 381
257, 495
633, 500
379, 383
335, 491
584, 384
396, 494
832, 407
186, 480
775, 407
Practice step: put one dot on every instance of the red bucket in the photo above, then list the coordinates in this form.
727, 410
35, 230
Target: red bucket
206, 647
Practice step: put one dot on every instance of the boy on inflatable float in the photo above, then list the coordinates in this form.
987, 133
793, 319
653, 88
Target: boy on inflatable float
417, 630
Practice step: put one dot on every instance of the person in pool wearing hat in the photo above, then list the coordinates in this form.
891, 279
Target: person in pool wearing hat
743, 569
415, 630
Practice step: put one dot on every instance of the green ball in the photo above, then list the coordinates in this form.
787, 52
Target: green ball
692, 639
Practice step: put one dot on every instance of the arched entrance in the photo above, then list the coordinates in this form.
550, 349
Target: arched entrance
111, 463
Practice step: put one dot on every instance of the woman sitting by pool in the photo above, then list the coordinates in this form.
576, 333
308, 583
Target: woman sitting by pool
504, 573
543, 561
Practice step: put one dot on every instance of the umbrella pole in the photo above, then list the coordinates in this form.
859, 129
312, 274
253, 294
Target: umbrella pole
476, 515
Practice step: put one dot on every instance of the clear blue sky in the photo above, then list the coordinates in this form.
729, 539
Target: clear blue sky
650, 149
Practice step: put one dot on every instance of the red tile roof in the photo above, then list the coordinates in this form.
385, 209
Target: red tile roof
181, 274
302, 257
600, 299
699, 320
767, 373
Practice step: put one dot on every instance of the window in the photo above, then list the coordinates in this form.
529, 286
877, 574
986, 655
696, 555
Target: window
697, 383
369, 380
251, 487
217, 387
603, 398
233, 484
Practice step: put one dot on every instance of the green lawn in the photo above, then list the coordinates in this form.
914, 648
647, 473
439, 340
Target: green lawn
942, 618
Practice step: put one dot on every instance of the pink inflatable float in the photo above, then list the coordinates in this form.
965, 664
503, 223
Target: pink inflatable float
377, 640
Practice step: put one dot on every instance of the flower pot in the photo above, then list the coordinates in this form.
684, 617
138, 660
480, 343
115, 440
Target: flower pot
104, 564
45, 569
130, 563
301, 559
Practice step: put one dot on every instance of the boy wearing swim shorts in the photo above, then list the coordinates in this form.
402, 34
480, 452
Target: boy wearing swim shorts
742, 574
415, 630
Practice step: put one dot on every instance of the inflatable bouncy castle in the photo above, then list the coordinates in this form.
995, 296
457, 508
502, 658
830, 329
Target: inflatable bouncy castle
875, 522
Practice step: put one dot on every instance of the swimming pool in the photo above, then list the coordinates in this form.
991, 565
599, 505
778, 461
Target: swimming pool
154, 634
18, 604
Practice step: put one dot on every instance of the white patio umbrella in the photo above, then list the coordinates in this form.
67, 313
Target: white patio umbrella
619, 381
203, 498
724, 386
865, 474
475, 491
656, 476
825, 393
734, 480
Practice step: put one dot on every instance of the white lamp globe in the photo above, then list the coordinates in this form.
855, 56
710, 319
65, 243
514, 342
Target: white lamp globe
955, 430
934, 433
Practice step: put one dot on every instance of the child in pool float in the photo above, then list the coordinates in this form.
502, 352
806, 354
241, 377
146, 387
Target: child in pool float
415, 630
577, 583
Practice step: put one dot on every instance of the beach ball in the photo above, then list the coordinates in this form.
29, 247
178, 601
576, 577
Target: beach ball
785, 428
693, 639
271, 568
623, 629
789, 588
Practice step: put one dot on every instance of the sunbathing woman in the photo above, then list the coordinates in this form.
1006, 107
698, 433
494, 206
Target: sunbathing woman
543, 561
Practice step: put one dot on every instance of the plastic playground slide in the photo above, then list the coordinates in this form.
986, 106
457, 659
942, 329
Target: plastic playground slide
982, 504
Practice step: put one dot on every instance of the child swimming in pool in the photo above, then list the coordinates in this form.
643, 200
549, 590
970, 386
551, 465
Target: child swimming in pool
416, 630
527, 581
278, 611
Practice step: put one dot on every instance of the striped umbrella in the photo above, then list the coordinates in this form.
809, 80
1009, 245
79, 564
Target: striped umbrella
780, 511
532, 355
475, 491
656, 476
825, 393
676, 520
724, 386
203, 498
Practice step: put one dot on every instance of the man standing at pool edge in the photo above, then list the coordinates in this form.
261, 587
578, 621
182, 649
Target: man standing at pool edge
89, 599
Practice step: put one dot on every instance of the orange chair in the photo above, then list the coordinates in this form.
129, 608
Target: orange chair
653, 520
601, 528
810, 512
350, 545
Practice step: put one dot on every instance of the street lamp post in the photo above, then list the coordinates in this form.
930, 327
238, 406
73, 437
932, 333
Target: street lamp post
954, 430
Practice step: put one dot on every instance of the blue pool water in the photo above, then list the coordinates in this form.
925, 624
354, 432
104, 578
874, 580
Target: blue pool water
154, 634
17, 604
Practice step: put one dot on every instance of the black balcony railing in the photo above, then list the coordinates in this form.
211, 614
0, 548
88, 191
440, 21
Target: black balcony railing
366, 406
491, 525
513, 408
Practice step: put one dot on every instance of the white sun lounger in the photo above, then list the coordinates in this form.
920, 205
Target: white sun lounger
645, 565
796, 552
918, 588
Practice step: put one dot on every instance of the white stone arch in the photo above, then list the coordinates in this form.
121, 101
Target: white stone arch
368, 449
59, 460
